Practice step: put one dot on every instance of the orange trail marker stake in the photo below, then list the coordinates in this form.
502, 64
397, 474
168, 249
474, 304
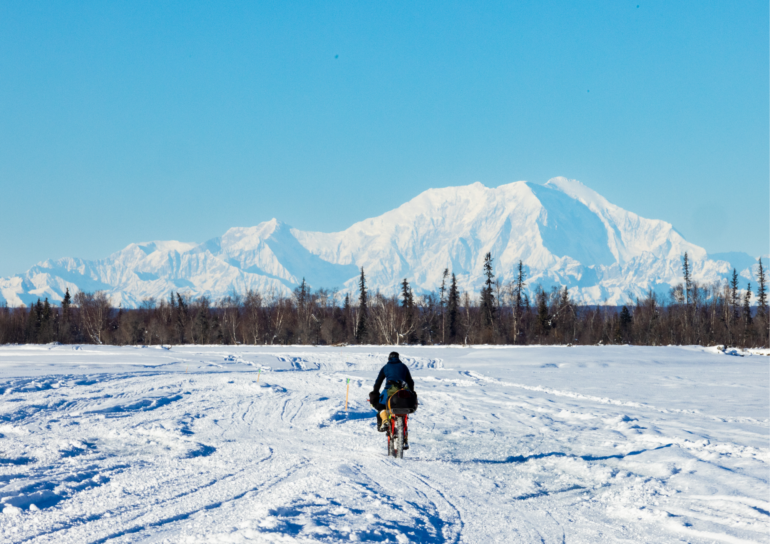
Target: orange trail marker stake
346, 395
258, 373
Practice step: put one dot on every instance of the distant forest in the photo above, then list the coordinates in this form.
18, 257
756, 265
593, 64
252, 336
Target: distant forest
501, 314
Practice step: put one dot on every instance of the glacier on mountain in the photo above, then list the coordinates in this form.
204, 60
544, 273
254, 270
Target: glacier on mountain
565, 233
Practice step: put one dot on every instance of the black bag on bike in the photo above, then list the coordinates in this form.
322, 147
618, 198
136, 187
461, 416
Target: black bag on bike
403, 402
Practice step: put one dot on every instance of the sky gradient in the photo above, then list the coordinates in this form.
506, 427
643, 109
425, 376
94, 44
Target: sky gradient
137, 121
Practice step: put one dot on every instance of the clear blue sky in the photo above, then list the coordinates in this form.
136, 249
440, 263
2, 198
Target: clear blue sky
133, 121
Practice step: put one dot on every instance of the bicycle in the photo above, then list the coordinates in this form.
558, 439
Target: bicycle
397, 435
400, 404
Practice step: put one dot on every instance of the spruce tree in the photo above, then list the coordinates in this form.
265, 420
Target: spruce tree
346, 310
39, 322
301, 294
761, 291
32, 326
543, 319
687, 279
202, 323
520, 286
181, 318
625, 322
362, 327
45, 323
302, 298
747, 305
734, 298
488, 293
518, 301
567, 316
66, 303
407, 305
406, 295
64, 318
443, 288
453, 309
442, 303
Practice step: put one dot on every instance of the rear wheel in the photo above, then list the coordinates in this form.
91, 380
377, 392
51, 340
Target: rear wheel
391, 451
398, 438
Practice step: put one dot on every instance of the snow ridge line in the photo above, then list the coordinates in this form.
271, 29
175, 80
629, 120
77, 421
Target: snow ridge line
607, 400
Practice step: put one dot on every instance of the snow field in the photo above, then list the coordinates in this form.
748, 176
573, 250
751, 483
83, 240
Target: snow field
252, 444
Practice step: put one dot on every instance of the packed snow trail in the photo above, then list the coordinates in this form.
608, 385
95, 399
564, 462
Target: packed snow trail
542, 444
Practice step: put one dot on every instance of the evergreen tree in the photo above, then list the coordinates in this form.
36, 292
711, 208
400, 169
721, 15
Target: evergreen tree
406, 295
216, 332
202, 324
488, 293
543, 318
687, 280
625, 318
453, 309
566, 317
442, 304
33, 324
362, 327
45, 335
520, 286
734, 298
64, 321
518, 301
180, 318
303, 298
66, 303
747, 305
39, 322
624, 322
346, 311
407, 306
761, 291
301, 294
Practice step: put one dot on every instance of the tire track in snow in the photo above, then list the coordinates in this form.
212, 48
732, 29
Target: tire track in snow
452, 536
605, 400
185, 515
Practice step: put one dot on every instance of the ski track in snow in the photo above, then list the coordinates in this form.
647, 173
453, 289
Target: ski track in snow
253, 444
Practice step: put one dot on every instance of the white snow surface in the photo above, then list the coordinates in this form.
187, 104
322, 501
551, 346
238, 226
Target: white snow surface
205, 444
565, 233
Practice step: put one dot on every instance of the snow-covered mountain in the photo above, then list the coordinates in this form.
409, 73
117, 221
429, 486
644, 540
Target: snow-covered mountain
565, 233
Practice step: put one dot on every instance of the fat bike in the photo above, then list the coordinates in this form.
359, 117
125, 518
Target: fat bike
395, 416
397, 435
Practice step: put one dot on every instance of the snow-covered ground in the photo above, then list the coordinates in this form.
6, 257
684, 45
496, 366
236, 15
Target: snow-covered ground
253, 444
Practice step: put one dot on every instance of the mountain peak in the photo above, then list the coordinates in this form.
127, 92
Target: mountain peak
565, 233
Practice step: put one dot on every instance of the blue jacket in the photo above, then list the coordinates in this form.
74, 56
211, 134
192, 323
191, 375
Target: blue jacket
394, 371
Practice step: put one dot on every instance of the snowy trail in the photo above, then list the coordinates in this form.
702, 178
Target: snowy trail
509, 445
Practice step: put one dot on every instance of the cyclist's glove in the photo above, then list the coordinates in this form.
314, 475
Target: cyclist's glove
373, 398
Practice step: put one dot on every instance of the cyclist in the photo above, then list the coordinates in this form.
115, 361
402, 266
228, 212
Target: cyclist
396, 376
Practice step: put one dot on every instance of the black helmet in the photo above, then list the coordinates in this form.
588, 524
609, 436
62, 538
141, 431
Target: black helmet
393, 356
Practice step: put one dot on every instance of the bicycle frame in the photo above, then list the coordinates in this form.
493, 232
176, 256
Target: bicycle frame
393, 449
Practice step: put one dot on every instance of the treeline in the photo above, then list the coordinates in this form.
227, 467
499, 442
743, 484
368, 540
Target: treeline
502, 314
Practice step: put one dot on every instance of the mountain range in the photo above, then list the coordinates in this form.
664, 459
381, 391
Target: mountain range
565, 234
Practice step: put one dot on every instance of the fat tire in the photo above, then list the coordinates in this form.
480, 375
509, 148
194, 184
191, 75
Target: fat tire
398, 439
